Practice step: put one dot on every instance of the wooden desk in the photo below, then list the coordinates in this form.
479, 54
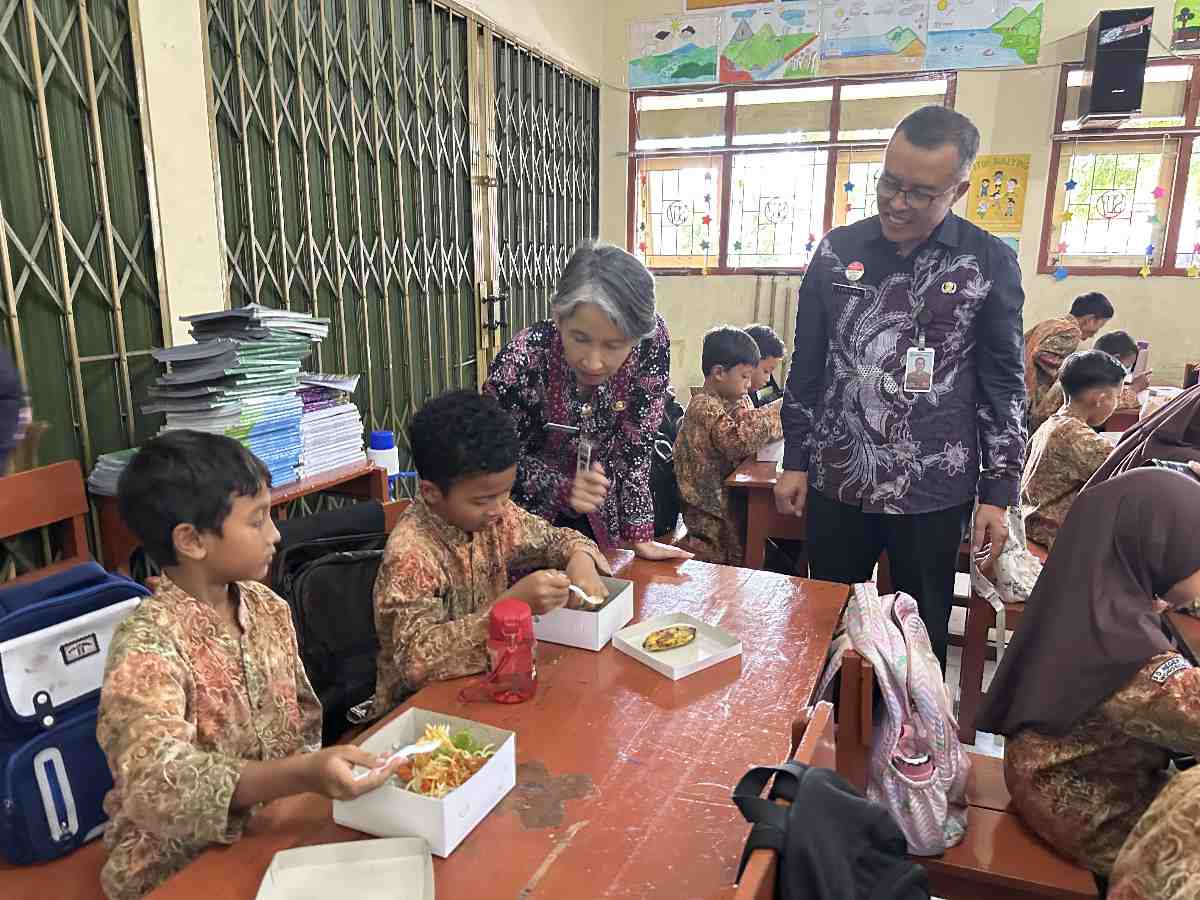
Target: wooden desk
624, 777
365, 481
757, 480
1186, 629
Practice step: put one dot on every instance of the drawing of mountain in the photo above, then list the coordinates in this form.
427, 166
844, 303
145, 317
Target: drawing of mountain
902, 40
744, 32
686, 64
1021, 32
762, 52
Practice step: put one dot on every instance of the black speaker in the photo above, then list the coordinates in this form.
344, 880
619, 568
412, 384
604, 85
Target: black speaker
1115, 66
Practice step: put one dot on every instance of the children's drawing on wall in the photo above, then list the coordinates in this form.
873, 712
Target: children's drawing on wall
673, 50
977, 34
996, 200
771, 42
873, 36
1185, 25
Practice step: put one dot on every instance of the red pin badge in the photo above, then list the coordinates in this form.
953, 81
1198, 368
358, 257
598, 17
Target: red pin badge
854, 271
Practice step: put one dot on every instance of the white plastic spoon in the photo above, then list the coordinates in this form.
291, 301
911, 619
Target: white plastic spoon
587, 598
403, 753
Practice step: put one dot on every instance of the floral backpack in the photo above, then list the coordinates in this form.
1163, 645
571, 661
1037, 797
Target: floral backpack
918, 770
1013, 577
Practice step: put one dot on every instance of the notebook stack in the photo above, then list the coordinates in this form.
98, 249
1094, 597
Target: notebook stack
331, 429
241, 379
107, 472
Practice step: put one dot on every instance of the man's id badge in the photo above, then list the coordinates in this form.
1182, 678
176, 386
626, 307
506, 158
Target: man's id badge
918, 370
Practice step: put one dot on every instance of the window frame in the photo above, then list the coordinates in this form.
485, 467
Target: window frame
834, 148
1186, 135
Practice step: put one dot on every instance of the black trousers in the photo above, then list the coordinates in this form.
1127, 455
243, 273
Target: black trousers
844, 544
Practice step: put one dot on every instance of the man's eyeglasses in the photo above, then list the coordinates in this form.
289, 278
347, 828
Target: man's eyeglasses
886, 188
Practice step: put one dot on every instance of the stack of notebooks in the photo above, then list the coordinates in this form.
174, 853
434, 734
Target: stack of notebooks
241, 379
331, 429
107, 472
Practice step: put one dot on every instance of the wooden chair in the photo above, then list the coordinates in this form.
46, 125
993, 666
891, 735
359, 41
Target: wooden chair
45, 497
812, 743
999, 858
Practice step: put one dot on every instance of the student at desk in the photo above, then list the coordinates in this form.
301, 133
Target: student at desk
1120, 346
206, 711
1091, 694
764, 388
1171, 432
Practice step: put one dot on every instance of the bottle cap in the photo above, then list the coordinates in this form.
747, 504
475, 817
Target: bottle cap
382, 440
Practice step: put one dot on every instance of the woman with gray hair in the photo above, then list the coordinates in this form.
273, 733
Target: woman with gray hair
596, 372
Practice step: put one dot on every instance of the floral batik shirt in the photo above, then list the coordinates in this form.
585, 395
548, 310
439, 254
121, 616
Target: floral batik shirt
530, 378
1160, 859
1056, 399
1064, 453
714, 437
1047, 345
1084, 792
848, 421
185, 704
437, 584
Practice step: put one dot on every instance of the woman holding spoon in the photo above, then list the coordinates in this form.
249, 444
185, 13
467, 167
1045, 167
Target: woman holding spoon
586, 389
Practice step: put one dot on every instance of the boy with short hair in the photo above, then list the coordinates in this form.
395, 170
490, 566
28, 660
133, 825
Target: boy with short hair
449, 558
1066, 451
1123, 348
718, 431
764, 388
206, 711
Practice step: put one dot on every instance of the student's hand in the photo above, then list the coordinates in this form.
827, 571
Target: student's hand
585, 575
991, 527
543, 591
1142, 382
1195, 467
331, 772
791, 493
589, 490
653, 550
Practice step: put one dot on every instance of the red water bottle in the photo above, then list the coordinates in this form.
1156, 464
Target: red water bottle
512, 652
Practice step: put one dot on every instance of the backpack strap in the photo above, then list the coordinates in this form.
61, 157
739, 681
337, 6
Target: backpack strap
768, 818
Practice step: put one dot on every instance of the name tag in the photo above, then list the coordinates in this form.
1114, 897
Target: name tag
840, 287
1172, 666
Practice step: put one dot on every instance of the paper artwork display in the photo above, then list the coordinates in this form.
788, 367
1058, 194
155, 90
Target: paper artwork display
978, 34
673, 50
996, 200
1185, 25
772, 42
873, 36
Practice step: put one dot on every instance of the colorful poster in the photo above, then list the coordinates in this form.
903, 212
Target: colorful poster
996, 200
673, 50
873, 36
1185, 25
775, 42
979, 34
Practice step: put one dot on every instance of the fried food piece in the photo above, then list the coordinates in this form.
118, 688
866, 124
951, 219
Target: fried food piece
669, 638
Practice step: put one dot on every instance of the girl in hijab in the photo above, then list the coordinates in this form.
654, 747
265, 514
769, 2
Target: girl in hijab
1091, 695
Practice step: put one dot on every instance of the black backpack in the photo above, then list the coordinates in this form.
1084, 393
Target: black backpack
329, 583
663, 486
833, 844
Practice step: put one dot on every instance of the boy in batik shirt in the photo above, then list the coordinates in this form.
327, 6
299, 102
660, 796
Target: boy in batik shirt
719, 430
450, 557
206, 711
1123, 348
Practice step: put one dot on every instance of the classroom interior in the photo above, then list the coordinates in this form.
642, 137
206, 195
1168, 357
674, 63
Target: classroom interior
417, 172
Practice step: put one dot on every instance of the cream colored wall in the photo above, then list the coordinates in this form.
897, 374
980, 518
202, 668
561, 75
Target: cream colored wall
1014, 111
567, 30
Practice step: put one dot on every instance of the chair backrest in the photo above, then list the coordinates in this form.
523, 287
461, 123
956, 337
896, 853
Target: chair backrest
856, 701
392, 511
50, 495
762, 869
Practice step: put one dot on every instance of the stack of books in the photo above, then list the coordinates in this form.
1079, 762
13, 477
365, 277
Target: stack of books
241, 379
107, 472
331, 429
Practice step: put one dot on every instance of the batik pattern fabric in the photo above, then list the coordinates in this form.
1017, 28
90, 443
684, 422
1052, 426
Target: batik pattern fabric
1064, 453
848, 422
1047, 344
714, 438
185, 704
530, 378
1055, 399
437, 584
1085, 791
1160, 859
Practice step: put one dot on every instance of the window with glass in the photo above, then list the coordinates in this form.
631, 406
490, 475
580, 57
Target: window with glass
1125, 199
747, 178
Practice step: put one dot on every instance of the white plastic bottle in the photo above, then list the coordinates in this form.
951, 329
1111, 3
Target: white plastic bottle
383, 453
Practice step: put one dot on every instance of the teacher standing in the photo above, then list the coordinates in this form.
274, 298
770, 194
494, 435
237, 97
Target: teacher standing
597, 370
876, 457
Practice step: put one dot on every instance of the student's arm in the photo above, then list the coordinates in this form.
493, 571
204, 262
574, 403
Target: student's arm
1161, 705
1053, 349
513, 381
409, 604
1050, 403
539, 545
306, 697
1088, 452
745, 430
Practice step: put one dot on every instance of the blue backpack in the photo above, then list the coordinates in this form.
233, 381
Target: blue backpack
54, 638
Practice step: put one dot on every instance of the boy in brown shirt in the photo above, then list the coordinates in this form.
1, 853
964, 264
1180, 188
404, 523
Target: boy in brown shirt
719, 430
1124, 349
1066, 451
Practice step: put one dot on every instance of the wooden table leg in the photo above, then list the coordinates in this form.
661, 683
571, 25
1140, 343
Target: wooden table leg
980, 617
758, 513
883, 580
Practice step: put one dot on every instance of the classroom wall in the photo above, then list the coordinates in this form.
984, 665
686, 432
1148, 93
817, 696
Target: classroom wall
1015, 114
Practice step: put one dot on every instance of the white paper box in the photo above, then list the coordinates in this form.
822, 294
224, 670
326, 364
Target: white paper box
399, 868
773, 452
711, 646
443, 822
583, 628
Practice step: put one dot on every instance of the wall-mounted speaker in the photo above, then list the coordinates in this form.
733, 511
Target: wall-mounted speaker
1115, 66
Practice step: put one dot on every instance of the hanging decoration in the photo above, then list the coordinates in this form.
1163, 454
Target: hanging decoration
1061, 273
